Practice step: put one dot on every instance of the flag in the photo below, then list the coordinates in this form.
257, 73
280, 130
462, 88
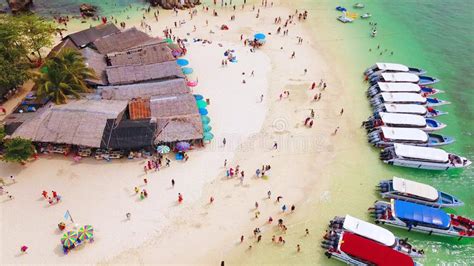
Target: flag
66, 215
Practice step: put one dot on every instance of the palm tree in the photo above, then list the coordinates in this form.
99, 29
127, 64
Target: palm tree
63, 75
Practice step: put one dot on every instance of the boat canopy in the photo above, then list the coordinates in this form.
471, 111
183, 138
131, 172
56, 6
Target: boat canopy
371, 251
398, 133
406, 108
403, 119
414, 188
398, 87
423, 153
420, 213
369, 230
392, 67
400, 77
403, 97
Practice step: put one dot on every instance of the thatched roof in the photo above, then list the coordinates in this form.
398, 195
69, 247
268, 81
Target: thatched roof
128, 134
179, 129
154, 52
121, 41
144, 90
97, 62
84, 37
79, 122
120, 75
139, 109
173, 106
66, 43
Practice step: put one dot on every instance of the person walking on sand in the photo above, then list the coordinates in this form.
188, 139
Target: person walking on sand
259, 238
224, 141
136, 190
279, 198
225, 163
252, 73
293, 55
128, 215
23, 249
241, 238
313, 85
306, 232
269, 194
298, 248
180, 198
256, 205
275, 145
312, 113
293, 208
261, 98
283, 208
342, 111
145, 181
335, 131
257, 213
172, 183
12, 178
270, 220
211, 200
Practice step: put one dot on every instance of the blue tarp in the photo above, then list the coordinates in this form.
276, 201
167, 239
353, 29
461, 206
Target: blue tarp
421, 214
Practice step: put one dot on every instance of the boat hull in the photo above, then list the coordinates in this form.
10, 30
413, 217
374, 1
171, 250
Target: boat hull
422, 164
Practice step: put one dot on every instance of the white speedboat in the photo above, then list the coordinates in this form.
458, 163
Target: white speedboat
370, 231
404, 98
408, 190
402, 77
422, 218
422, 158
380, 68
344, 19
353, 249
387, 136
366, 16
412, 109
402, 121
405, 87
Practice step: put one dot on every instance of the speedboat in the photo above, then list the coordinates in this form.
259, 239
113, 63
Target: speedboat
344, 19
353, 249
366, 15
359, 5
340, 8
380, 68
422, 218
372, 232
404, 98
402, 77
413, 109
387, 136
422, 158
407, 190
402, 121
402, 87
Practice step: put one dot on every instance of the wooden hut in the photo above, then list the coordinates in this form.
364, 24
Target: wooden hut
121, 41
79, 122
156, 51
145, 90
97, 62
120, 75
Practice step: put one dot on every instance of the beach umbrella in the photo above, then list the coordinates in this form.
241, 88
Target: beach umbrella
259, 36
192, 83
206, 127
198, 97
187, 70
207, 136
203, 111
69, 239
85, 233
182, 62
183, 146
201, 104
163, 149
168, 40
205, 119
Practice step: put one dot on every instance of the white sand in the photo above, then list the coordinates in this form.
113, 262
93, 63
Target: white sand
160, 230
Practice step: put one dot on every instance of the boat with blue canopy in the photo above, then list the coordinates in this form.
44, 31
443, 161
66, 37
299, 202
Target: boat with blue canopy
408, 190
422, 218
380, 68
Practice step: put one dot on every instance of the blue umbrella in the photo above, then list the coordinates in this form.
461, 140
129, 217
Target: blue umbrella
259, 36
182, 62
207, 136
205, 119
198, 97
187, 70
206, 128
203, 111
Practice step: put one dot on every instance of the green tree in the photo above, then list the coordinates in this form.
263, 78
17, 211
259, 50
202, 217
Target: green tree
62, 75
18, 150
2, 133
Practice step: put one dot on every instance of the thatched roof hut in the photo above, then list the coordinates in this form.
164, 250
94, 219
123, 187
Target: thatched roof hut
79, 122
66, 43
97, 62
128, 134
121, 41
120, 75
85, 37
144, 90
153, 52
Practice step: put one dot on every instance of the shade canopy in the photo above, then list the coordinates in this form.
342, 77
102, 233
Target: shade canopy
421, 153
205, 119
369, 230
192, 83
203, 111
403, 119
404, 134
206, 128
414, 188
198, 97
69, 239
201, 104
183, 146
417, 213
406, 108
86, 232
168, 40
187, 70
400, 77
182, 62
392, 67
398, 87
403, 97
163, 149
259, 36
207, 136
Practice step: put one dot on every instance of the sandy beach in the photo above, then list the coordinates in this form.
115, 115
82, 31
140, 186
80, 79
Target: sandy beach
195, 232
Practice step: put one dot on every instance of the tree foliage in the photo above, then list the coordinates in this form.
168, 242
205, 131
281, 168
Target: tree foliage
62, 75
18, 150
